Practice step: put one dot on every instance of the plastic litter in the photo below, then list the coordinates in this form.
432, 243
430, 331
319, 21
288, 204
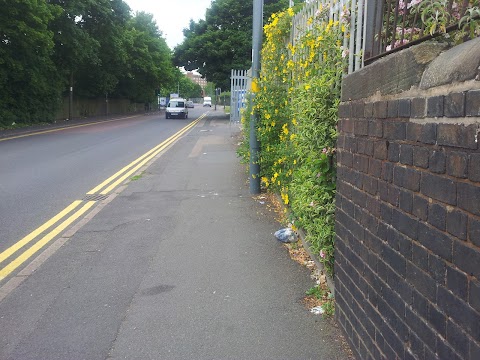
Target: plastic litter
286, 235
317, 310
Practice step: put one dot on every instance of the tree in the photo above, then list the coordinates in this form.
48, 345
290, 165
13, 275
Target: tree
28, 80
150, 64
223, 41
106, 22
74, 46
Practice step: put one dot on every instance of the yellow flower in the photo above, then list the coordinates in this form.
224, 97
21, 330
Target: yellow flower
290, 11
265, 181
285, 129
267, 116
255, 87
293, 136
307, 86
294, 122
272, 124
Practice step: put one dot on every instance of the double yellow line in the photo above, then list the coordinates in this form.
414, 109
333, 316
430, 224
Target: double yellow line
103, 189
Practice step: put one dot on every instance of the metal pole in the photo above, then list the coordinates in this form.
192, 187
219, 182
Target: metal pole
256, 47
70, 97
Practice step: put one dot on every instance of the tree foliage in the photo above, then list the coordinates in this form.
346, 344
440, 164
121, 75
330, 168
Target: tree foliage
97, 47
223, 41
28, 78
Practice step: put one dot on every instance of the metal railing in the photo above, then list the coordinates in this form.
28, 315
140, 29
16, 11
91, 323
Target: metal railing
239, 84
338, 10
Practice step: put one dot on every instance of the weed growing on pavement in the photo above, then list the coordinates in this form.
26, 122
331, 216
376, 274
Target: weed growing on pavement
137, 177
316, 291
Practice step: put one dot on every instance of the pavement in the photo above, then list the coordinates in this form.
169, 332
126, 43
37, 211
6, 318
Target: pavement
180, 264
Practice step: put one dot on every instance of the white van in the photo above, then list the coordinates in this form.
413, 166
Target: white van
177, 108
207, 101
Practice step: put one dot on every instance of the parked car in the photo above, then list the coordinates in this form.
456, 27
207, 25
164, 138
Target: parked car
190, 104
176, 108
207, 101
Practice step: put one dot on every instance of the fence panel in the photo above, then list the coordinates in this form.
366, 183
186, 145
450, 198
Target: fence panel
239, 82
352, 11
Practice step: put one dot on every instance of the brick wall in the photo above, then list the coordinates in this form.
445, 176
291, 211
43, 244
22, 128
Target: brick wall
407, 263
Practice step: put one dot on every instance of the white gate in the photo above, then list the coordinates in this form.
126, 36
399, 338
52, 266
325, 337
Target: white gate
240, 81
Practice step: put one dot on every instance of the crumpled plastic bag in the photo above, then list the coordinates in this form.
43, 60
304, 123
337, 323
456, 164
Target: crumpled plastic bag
317, 310
286, 235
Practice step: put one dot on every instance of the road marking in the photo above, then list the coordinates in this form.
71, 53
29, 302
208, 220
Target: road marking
15, 247
65, 128
138, 163
43, 241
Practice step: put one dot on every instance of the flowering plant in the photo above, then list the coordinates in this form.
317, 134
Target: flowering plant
297, 103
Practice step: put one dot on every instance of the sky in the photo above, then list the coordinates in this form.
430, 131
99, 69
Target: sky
172, 16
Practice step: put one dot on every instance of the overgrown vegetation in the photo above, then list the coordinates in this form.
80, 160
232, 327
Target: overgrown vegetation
296, 100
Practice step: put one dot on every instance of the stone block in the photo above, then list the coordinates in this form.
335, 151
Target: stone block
392, 109
457, 135
457, 224
421, 156
439, 188
468, 197
404, 108
437, 162
455, 105
473, 103
419, 107
460, 63
435, 106
474, 167
380, 109
457, 163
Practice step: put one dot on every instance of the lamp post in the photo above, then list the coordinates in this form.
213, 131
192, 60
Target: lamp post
256, 47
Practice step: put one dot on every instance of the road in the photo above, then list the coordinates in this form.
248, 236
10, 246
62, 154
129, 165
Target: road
44, 173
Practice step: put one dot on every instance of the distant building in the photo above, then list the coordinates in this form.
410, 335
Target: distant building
197, 78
